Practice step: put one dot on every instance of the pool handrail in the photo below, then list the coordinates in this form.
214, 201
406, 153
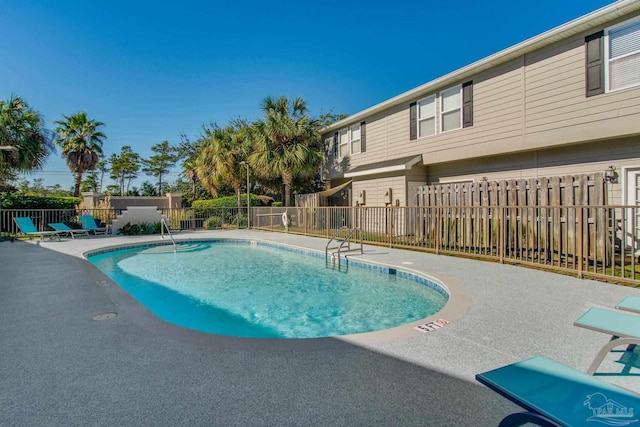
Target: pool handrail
164, 225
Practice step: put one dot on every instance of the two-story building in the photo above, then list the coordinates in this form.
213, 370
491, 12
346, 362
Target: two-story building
565, 102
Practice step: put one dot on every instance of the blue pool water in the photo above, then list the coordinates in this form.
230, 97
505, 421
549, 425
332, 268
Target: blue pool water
255, 290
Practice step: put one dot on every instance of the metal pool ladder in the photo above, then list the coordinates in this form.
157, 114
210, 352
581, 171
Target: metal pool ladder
354, 233
165, 225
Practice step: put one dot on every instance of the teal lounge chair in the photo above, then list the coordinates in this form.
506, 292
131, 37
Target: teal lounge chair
26, 226
624, 329
553, 394
89, 223
630, 303
64, 228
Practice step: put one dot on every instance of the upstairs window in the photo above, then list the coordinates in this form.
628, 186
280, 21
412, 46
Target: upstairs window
351, 140
427, 116
354, 133
451, 108
447, 110
328, 145
343, 138
622, 53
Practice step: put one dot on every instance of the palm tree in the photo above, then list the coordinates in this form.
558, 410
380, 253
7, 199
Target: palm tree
287, 142
219, 161
190, 171
24, 142
81, 143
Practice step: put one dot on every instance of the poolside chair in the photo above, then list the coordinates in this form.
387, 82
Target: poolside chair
64, 228
89, 223
553, 394
26, 226
630, 303
624, 329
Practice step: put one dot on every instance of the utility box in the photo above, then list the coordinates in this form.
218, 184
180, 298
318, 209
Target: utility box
362, 197
388, 196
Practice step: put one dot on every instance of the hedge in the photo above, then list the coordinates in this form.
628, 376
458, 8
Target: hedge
22, 201
226, 202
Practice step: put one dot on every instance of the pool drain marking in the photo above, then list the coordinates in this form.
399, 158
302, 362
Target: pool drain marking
431, 326
104, 316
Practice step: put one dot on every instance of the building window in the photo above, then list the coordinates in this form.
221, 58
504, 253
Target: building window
343, 137
455, 111
451, 109
622, 53
328, 145
351, 140
354, 136
427, 116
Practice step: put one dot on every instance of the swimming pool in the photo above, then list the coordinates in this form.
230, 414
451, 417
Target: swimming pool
263, 290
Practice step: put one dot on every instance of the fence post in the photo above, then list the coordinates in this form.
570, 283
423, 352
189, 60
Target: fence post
390, 226
439, 219
580, 236
503, 232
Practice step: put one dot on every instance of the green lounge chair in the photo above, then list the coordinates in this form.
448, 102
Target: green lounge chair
89, 223
624, 329
553, 394
64, 228
27, 227
630, 303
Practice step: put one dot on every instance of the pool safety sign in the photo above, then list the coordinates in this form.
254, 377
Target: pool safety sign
432, 326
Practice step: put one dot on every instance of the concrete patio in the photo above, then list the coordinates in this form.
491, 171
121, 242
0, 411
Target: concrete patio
58, 366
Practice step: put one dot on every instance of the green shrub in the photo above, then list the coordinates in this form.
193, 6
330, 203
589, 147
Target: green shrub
276, 204
22, 201
213, 223
137, 229
240, 220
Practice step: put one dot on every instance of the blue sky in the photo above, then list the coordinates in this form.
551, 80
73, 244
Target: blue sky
152, 71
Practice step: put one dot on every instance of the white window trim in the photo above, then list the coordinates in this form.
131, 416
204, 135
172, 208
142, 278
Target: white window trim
341, 152
607, 88
435, 116
441, 112
438, 115
349, 131
352, 140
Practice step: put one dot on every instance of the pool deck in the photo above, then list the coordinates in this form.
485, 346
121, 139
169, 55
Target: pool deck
59, 367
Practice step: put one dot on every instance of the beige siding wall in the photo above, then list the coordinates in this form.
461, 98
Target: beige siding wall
497, 105
557, 110
375, 189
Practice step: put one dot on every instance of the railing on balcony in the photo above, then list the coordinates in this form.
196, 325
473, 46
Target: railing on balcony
587, 241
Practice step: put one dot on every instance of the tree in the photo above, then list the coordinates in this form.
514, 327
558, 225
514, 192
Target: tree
160, 163
148, 189
81, 143
287, 142
189, 151
221, 161
124, 168
24, 141
190, 171
90, 182
102, 168
326, 119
